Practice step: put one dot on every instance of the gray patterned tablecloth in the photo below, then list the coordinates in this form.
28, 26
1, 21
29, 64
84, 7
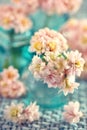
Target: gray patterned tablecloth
50, 120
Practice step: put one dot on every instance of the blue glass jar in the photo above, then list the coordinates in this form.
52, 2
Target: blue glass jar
41, 19
14, 49
47, 98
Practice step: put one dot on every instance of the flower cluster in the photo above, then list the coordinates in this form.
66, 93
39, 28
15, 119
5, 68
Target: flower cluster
27, 6
50, 6
13, 18
48, 40
75, 31
72, 113
55, 66
18, 113
60, 6
10, 86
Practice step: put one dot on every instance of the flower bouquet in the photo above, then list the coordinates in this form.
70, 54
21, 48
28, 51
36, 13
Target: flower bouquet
53, 69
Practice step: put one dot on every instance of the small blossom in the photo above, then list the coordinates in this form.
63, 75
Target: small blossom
4, 88
13, 18
16, 90
48, 40
10, 85
28, 6
51, 76
76, 61
75, 31
13, 112
31, 113
60, 6
13, 89
10, 74
24, 24
37, 66
72, 113
69, 86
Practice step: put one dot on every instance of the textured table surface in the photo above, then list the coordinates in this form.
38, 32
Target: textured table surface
52, 120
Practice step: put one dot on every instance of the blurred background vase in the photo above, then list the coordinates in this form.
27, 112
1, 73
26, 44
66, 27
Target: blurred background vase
14, 49
41, 19
47, 98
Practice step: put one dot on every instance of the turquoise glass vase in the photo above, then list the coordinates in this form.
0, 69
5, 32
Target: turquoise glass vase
14, 49
47, 98
41, 19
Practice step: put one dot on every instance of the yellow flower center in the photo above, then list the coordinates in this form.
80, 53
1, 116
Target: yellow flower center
78, 64
72, 22
14, 112
52, 57
67, 83
17, 1
84, 40
85, 28
52, 46
38, 46
37, 67
4, 84
10, 75
24, 22
60, 65
6, 21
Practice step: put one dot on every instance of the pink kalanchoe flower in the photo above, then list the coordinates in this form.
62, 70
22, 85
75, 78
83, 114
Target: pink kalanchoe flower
75, 31
13, 112
13, 18
4, 88
10, 86
50, 69
56, 59
37, 66
28, 6
5, 16
60, 6
48, 40
72, 113
69, 86
76, 62
17, 89
68, 83
10, 74
31, 112
13, 89
51, 76
22, 24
